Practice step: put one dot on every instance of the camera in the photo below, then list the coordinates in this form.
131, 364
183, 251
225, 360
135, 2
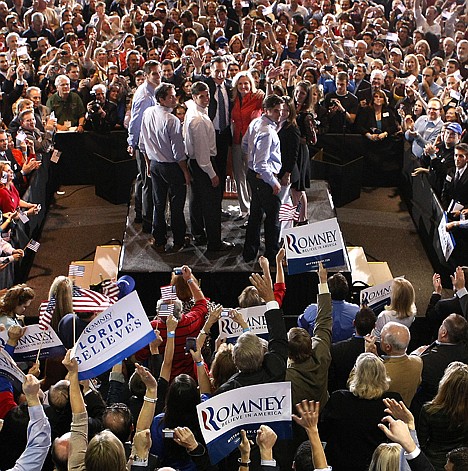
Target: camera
95, 106
262, 36
63, 53
168, 432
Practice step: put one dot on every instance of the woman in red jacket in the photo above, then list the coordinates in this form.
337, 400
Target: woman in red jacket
247, 106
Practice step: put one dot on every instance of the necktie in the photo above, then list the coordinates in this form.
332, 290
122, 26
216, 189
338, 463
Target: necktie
221, 110
457, 176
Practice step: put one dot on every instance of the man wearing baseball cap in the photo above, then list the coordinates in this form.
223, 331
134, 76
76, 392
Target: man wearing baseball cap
439, 160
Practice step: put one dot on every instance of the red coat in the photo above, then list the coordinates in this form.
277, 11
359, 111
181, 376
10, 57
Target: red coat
242, 115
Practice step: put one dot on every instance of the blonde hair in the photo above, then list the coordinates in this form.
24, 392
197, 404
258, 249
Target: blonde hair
386, 457
243, 73
402, 299
369, 379
452, 394
412, 56
62, 290
105, 452
249, 297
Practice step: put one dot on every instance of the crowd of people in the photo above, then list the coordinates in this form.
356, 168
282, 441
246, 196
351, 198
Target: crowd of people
354, 384
192, 83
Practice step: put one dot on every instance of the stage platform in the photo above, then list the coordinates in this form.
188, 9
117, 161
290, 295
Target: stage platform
223, 275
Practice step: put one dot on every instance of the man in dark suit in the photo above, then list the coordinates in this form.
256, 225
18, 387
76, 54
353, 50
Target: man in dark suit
345, 353
455, 188
230, 27
219, 110
147, 40
359, 83
377, 83
449, 346
438, 309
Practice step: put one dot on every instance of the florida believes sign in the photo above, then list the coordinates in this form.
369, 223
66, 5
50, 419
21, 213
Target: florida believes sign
222, 417
117, 333
318, 242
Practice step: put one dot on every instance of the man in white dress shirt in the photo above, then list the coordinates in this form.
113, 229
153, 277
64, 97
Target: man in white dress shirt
200, 147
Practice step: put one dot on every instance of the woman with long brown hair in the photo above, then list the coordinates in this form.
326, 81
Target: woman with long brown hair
14, 303
443, 423
305, 120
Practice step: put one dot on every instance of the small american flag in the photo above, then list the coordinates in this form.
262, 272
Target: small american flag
76, 270
46, 312
33, 245
288, 212
168, 293
86, 300
111, 290
166, 309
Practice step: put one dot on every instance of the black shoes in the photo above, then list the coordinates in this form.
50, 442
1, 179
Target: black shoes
222, 247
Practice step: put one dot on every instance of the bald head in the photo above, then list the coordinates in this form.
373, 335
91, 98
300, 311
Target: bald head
60, 451
395, 338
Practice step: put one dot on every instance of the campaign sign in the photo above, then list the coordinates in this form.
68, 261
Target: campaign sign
35, 338
222, 417
308, 245
255, 318
446, 239
377, 297
10, 370
117, 333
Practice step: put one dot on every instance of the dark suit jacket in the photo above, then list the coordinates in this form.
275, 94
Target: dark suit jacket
344, 356
231, 28
365, 121
435, 360
366, 94
155, 40
457, 191
364, 85
438, 309
420, 463
213, 89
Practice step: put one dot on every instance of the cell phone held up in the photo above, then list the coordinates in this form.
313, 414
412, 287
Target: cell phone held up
190, 344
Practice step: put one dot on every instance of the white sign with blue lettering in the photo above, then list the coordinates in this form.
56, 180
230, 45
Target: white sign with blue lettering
308, 245
255, 318
222, 417
116, 334
33, 340
377, 297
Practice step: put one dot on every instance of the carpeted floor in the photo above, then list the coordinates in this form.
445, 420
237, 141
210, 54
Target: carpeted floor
79, 220
379, 222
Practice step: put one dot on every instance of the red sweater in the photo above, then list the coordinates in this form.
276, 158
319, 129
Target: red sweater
9, 199
189, 325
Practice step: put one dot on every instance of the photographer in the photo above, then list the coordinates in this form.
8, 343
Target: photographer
342, 105
101, 115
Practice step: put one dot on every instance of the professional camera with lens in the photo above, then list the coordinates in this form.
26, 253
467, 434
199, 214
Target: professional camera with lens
94, 105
